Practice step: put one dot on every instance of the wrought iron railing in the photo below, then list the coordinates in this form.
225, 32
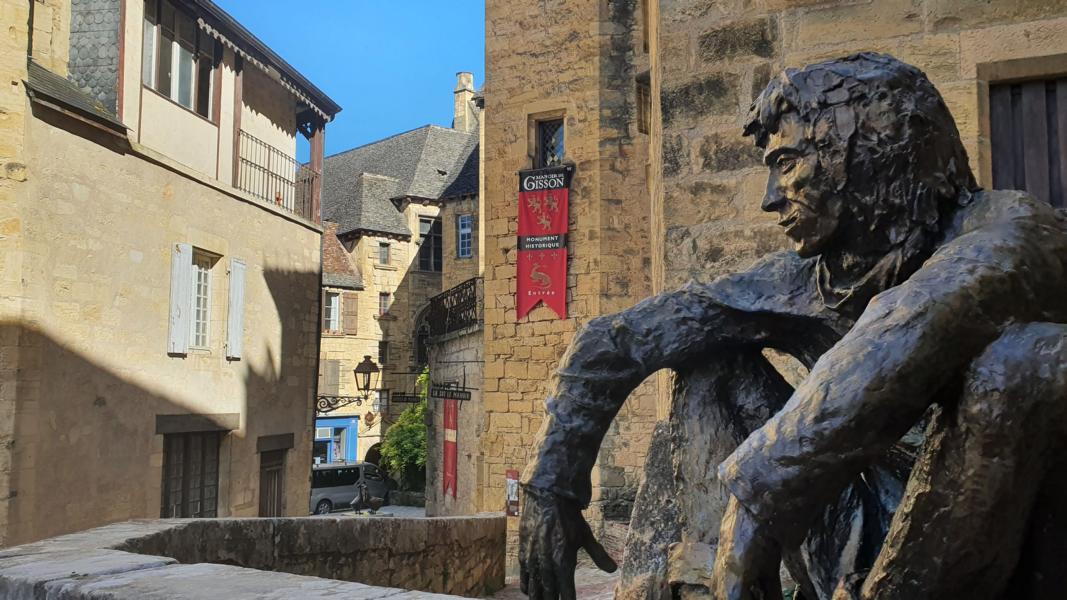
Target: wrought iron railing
274, 176
457, 308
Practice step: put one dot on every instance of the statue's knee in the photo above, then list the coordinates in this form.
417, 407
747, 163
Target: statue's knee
1025, 367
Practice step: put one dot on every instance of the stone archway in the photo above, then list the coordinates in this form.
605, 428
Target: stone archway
374, 454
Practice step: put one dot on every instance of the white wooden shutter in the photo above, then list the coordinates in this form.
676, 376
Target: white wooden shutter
235, 315
181, 298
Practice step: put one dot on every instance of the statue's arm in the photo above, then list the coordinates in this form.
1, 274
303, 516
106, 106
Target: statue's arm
876, 383
611, 355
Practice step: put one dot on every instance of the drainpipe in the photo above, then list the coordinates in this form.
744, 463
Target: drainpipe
29, 32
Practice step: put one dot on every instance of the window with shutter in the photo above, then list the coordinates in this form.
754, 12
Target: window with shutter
331, 312
181, 280
350, 308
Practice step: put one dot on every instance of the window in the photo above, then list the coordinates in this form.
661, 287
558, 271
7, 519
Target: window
190, 475
549, 143
464, 236
383, 353
178, 59
431, 251
201, 302
383, 253
382, 402
644, 106
384, 300
331, 312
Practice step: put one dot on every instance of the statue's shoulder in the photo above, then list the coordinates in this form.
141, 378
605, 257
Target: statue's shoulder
1000, 208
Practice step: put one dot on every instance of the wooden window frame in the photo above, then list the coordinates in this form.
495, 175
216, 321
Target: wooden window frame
460, 232
197, 78
203, 262
335, 314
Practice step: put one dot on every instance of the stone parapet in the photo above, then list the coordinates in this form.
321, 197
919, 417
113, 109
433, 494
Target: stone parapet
312, 557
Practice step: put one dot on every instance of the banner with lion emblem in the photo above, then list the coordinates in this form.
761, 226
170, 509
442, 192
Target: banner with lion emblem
544, 195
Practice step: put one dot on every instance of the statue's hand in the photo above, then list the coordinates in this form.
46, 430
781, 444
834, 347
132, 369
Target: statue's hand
551, 530
747, 561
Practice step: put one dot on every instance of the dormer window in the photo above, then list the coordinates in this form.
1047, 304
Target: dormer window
178, 58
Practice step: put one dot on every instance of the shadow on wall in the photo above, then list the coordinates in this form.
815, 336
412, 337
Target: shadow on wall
83, 442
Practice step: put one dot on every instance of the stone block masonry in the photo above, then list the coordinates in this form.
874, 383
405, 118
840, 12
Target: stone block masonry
716, 57
580, 61
377, 557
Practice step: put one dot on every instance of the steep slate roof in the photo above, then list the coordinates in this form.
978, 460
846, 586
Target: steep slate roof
337, 270
424, 163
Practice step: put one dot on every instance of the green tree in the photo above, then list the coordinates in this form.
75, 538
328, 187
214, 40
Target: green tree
404, 446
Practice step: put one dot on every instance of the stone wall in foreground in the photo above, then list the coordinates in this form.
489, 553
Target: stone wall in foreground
264, 558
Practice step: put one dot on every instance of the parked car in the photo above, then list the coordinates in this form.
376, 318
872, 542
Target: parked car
335, 485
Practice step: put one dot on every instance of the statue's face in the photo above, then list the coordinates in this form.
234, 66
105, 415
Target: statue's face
808, 207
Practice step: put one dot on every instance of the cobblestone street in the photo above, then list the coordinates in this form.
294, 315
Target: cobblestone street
590, 584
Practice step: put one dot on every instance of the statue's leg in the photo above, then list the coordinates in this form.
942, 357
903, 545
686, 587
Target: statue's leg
674, 526
959, 529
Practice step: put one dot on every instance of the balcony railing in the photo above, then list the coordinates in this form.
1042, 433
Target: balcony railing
457, 308
274, 176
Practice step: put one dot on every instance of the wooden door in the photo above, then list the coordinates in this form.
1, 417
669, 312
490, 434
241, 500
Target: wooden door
1028, 122
271, 483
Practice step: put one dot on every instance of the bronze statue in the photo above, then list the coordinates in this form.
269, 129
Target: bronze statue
920, 457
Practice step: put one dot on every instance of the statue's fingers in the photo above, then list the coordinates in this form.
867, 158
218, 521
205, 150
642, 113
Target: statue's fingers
532, 587
596, 551
565, 573
549, 565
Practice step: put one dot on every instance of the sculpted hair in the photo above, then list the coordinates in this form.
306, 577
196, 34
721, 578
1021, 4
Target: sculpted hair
882, 130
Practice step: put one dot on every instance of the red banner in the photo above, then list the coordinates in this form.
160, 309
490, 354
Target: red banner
544, 196
451, 418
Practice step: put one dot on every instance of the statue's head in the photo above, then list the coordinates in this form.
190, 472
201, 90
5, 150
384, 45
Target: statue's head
861, 150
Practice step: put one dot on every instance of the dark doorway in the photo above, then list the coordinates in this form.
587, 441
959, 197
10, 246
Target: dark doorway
190, 475
272, 483
374, 454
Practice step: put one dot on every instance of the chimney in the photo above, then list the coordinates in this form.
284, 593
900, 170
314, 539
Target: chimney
464, 118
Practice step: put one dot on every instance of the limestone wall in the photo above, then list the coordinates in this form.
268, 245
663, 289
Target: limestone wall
265, 558
13, 108
578, 60
716, 56
99, 220
457, 358
456, 269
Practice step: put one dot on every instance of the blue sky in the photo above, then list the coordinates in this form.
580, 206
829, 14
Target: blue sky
390, 64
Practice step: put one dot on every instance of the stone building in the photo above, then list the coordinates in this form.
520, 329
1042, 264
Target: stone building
384, 256
158, 276
454, 318
564, 81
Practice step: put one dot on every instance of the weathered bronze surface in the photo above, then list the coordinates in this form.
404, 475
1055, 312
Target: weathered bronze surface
921, 455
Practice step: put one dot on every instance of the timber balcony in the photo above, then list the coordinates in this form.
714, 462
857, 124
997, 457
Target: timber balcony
456, 309
272, 175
